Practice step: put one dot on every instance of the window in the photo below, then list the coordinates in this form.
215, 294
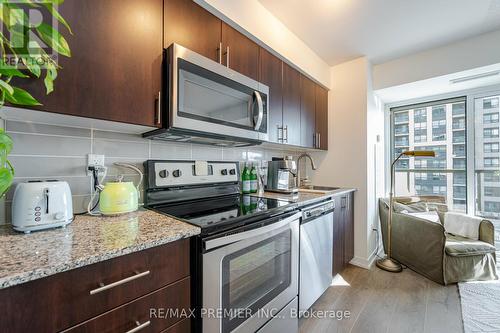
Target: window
491, 177
458, 109
420, 132
490, 103
492, 191
490, 118
492, 207
401, 129
401, 117
441, 127
490, 162
491, 147
491, 133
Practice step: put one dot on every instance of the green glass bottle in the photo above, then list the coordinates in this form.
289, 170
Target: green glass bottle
254, 183
245, 180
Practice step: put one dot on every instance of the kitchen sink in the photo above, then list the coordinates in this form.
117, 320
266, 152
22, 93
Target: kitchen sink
318, 189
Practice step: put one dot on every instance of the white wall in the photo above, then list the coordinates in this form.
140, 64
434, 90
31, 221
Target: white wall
467, 54
354, 122
254, 19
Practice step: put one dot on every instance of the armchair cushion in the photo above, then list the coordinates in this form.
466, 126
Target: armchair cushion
457, 246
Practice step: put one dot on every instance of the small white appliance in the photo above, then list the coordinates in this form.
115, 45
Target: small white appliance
39, 205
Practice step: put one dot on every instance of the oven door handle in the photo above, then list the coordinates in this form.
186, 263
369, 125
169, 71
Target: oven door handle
260, 115
218, 242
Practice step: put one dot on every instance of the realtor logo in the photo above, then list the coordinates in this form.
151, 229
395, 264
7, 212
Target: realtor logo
30, 36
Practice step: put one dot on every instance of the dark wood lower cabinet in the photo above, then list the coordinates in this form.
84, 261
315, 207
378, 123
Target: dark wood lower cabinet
343, 231
63, 300
150, 312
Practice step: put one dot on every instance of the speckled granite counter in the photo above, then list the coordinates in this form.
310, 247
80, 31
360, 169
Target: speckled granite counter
305, 198
89, 239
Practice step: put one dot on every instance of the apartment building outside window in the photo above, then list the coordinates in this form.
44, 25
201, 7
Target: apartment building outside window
491, 133
440, 127
468, 180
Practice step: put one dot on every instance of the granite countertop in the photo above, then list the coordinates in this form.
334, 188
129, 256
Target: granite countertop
88, 240
305, 198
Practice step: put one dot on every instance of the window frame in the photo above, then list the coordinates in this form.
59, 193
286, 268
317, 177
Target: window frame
470, 95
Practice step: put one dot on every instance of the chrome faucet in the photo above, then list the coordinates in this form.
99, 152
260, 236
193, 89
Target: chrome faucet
313, 166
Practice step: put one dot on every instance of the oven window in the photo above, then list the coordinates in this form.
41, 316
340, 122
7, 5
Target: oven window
206, 96
254, 276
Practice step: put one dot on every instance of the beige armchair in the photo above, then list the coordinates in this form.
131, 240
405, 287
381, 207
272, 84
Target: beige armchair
426, 248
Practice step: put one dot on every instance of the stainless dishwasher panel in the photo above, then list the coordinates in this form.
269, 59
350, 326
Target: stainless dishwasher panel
316, 256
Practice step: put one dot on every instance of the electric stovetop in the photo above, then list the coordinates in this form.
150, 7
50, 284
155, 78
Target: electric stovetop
218, 214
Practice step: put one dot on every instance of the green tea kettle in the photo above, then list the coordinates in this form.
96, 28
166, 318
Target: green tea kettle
119, 197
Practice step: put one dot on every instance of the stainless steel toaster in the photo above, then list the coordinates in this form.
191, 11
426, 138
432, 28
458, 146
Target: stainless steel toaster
41, 205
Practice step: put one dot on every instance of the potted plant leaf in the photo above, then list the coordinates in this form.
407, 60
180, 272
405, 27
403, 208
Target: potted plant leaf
29, 51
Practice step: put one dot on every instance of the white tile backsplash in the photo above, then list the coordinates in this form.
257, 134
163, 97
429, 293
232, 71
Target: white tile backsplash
44, 151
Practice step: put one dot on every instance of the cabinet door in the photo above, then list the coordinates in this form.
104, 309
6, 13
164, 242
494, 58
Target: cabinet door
338, 237
115, 69
348, 228
191, 26
307, 112
271, 74
291, 105
239, 52
321, 118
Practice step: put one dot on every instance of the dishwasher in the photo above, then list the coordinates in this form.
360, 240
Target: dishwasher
316, 252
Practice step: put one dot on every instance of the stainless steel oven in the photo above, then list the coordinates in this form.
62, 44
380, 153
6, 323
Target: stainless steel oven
206, 102
249, 276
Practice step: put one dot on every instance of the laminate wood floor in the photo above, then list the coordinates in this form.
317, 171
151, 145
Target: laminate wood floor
380, 301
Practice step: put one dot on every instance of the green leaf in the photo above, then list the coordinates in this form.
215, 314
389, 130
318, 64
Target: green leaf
21, 97
9, 70
58, 16
6, 87
54, 39
50, 77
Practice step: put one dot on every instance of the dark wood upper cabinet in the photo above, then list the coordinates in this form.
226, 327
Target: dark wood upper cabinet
271, 74
307, 112
291, 105
321, 117
191, 26
114, 72
241, 53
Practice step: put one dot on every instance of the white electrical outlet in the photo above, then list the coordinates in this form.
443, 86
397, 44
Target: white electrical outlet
95, 161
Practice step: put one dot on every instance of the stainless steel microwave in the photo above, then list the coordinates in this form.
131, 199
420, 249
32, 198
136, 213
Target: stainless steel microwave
209, 103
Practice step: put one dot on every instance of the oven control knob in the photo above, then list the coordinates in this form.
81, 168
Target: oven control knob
177, 173
232, 171
224, 172
163, 173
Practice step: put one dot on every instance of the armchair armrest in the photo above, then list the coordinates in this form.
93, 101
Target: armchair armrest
416, 243
487, 232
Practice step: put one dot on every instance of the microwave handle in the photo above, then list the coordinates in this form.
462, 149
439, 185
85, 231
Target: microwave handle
260, 105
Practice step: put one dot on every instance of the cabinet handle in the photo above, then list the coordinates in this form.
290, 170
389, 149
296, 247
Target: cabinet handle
117, 283
285, 133
280, 133
139, 326
227, 56
158, 109
319, 140
219, 52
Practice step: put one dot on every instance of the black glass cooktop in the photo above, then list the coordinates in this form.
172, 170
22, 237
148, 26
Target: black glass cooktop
222, 213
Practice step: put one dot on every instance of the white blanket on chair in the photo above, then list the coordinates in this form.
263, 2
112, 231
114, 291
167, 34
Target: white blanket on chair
462, 225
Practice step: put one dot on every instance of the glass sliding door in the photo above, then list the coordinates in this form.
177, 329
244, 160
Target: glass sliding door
487, 155
439, 126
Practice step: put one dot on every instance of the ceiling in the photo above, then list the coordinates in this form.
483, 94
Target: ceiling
342, 30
